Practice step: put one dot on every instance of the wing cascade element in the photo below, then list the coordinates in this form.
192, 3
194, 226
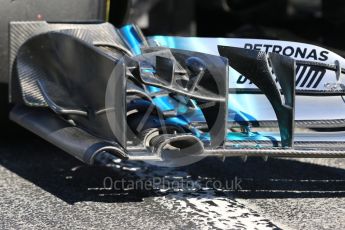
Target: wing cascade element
255, 65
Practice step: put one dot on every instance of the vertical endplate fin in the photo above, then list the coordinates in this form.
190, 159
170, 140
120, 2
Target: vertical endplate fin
255, 66
285, 71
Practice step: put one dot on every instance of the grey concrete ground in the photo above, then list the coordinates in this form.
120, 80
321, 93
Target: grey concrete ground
43, 187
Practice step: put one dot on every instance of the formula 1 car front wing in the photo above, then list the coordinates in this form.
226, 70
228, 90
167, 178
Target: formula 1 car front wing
101, 93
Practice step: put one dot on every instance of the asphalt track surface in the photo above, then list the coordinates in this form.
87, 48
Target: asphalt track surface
42, 187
